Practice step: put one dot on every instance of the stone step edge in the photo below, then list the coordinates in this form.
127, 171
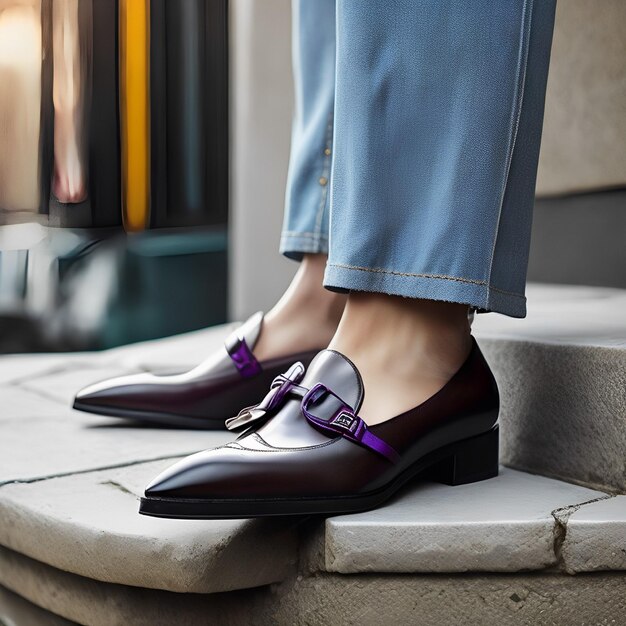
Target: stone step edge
30, 532
486, 599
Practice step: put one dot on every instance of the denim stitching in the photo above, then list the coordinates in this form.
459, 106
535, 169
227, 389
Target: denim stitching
325, 174
471, 281
516, 112
306, 246
295, 233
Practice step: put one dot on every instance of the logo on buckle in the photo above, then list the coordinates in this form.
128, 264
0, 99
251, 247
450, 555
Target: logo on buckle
345, 420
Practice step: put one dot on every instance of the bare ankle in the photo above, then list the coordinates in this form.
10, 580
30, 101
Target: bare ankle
405, 349
378, 321
306, 316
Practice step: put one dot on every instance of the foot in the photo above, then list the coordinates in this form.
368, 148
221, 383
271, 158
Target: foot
305, 450
228, 379
256, 353
305, 318
405, 349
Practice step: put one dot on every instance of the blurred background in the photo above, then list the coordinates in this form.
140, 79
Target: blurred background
143, 159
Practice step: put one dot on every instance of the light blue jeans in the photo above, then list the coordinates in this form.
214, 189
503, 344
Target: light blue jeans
415, 145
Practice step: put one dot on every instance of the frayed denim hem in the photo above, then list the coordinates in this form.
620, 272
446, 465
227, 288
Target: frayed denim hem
294, 246
447, 289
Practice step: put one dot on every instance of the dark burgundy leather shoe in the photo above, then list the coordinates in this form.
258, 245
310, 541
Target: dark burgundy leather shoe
201, 398
306, 451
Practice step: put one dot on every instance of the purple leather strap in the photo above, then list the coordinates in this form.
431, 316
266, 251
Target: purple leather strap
345, 422
281, 386
242, 356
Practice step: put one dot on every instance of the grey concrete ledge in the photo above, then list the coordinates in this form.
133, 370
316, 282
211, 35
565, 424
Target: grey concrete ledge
595, 537
564, 315
504, 524
88, 524
173, 354
41, 437
39, 446
17, 367
96, 603
310, 600
17, 611
61, 385
561, 373
563, 410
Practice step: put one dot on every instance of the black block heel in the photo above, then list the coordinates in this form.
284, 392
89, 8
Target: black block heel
470, 460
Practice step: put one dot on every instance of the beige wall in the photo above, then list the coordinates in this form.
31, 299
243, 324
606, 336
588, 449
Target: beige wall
261, 97
584, 138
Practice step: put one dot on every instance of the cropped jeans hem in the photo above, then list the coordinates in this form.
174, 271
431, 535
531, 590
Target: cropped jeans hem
475, 293
294, 245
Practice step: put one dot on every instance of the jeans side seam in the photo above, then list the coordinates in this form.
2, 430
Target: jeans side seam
471, 281
516, 112
325, 174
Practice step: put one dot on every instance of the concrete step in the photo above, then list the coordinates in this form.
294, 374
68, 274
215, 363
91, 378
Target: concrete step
476, 599
515, 522
562, 374
88, 524
75, 545
41, 437
14, 609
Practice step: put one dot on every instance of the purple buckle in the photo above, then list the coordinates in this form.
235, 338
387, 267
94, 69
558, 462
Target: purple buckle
242, 357
344, 422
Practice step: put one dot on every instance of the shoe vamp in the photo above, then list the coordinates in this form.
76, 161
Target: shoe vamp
289, 428
336, 468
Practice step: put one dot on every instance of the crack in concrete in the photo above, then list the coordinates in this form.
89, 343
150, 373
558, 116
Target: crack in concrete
51, 371
118, 486
37, 479
561, 517
24, 382
41, 394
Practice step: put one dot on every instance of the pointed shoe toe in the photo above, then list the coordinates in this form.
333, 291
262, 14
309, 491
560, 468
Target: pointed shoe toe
112, 395
139, 397
177, 480
204, 397
305, 450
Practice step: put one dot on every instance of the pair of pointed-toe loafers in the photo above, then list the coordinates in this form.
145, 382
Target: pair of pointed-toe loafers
303, 448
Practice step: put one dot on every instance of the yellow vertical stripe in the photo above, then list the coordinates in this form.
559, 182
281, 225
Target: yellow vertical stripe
135, 111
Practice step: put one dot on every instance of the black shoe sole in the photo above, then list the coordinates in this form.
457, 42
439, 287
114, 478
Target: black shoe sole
154, 419
466, 461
